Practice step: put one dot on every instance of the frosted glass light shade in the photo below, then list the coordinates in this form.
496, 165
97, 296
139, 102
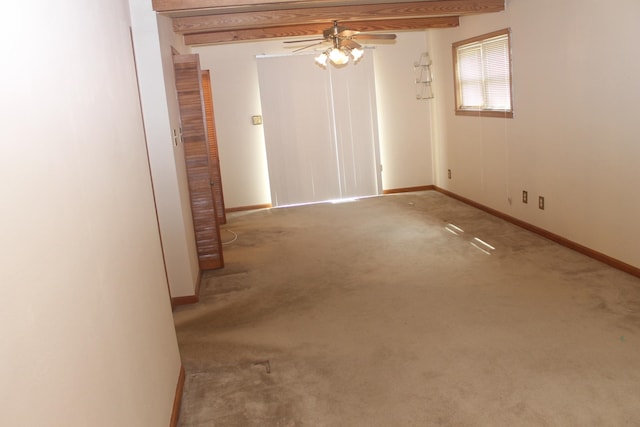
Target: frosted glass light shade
338, 57
356, 53
322, 59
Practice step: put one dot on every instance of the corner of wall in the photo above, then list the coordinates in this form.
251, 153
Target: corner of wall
153, 38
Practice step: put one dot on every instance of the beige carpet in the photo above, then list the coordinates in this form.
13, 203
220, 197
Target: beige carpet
389, 312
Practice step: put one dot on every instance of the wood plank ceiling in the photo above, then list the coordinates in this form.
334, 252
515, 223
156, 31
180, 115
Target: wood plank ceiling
224, 21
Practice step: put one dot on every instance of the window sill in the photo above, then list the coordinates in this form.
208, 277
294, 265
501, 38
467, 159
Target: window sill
485, 113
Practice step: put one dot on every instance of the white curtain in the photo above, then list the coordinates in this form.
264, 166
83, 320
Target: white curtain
320, 129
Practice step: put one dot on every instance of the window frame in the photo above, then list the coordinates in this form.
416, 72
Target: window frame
482, 112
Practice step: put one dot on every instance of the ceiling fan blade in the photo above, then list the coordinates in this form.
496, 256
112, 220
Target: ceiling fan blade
375, 36
302, 41
307, 46
348, 33
350, 44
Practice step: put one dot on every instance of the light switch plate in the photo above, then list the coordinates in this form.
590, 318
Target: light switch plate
256, 120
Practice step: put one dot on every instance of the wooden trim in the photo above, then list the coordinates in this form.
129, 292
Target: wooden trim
185, 300
485, 113
316, 29
409, 189
249, 208
435, 7
188, 5
177, 400
481, 37
189, 299
343, 13
599, 256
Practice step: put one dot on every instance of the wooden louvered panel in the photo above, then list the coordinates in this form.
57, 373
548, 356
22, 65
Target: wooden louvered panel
214, 159
196, 151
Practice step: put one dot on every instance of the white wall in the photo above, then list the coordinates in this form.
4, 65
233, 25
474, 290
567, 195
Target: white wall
86, 325
575, 136
403, 121
236, 97
153, 39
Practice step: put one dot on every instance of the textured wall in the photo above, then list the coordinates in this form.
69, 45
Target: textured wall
87, 331
574, 138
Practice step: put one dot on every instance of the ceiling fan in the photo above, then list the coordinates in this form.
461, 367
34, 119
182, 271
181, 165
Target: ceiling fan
343, 44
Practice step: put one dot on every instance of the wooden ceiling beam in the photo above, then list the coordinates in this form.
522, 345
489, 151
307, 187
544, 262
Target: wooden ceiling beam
383, 11
206, 7
167, 6
317, 29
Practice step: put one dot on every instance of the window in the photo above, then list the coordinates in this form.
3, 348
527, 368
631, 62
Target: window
482, 68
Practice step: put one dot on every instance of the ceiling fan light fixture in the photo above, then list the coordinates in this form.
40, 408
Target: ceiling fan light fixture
322, 59
344, 44
357, 53
338, 56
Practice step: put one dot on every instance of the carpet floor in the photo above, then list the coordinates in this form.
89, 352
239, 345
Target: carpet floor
407, 310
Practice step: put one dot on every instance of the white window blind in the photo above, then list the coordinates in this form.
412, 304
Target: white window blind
470, 76
320, 128
483, 73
